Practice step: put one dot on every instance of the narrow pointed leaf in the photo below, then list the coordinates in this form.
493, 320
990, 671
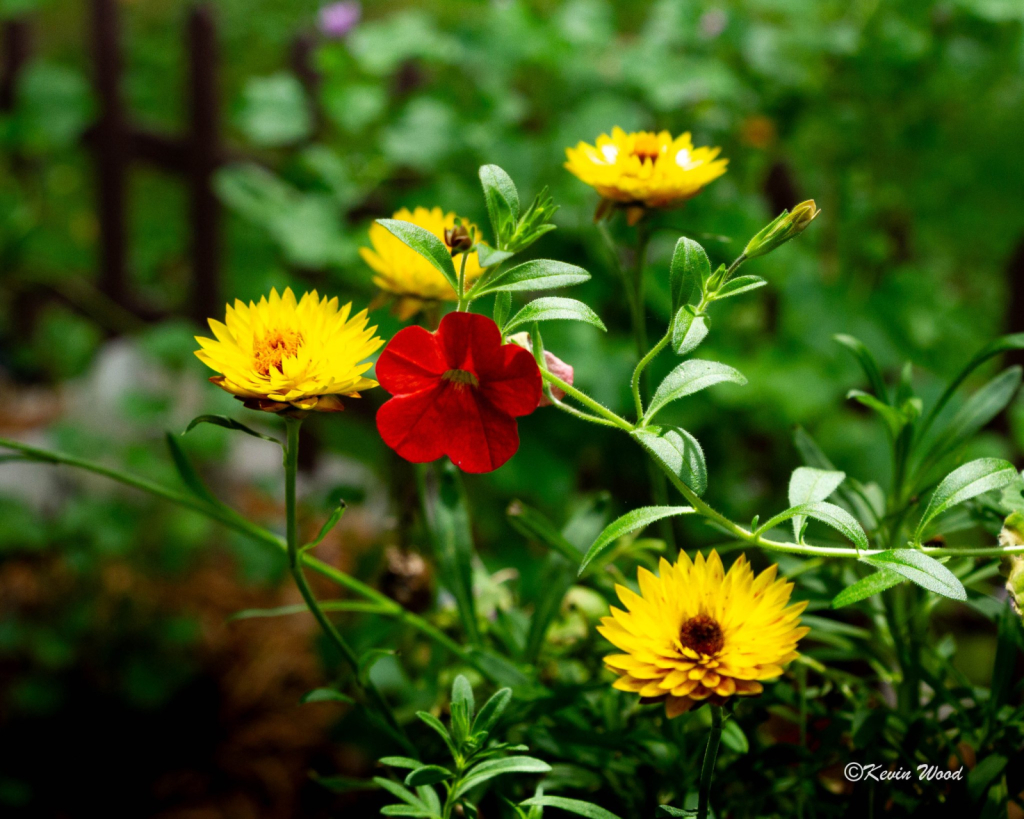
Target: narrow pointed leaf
867, 363
399, 762
630, 522
498, 767
741, 284
577, 806
690, 377
867, 587
969, 481
399, 791
501, 197
427, 775
228, 423
554, 308
921, 569
187, 472
829, 514
325, 695
426, 244
492, 710
540, 274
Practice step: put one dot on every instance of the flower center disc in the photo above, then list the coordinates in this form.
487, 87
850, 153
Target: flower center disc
702, 634
270, 350
461, 378
647, 148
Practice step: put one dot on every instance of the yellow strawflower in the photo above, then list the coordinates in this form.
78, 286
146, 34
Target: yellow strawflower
286, 355
403, 273
698, 633
645, 170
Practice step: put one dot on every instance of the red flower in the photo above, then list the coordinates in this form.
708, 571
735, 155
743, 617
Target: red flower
457, 392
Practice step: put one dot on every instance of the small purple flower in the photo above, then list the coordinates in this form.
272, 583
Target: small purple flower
338, 19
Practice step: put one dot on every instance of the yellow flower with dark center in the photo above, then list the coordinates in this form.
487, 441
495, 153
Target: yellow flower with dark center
699, 634
645, 170
403, 273
286, 355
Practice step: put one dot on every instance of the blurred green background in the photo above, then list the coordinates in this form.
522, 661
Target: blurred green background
902, 119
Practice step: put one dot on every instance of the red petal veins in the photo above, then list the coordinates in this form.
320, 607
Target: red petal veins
412, 361
468, 340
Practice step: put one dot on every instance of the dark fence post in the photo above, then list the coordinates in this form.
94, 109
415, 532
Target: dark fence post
204, 154
17, 48
112, 144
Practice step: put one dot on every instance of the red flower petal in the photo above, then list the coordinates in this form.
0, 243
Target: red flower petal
412, 361
472, 423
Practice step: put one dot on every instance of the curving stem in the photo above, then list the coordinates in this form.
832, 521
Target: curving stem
707, 770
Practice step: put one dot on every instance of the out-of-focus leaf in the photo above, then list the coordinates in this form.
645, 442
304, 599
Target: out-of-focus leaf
867, 363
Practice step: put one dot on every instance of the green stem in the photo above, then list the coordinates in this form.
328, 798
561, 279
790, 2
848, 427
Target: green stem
367, 689
707, 770
463, 301
587, 401
641, 366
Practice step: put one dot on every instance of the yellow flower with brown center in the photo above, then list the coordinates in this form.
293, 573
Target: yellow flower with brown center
403, 273
285, 355
645, 169
699, 634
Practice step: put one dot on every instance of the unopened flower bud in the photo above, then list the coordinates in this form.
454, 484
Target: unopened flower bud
553, 363
784, 227
1012, 566
458, 239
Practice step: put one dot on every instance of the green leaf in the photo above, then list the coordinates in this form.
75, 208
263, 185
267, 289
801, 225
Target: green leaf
553, 308
867, 587
502, 199
969, 481
325, 695
807, 485
741, 284
485, 771
399, 762
228, 423
502, 308
188, 473
406, 810
630, 522
427, 775
329, 524
436, 724
921, 569
462, 707
302, 608
867, 363
678, 451
577, 806
733, 737
539, 274
895, 418
690, 377
1003, 344
535, 525
492, 710
979, 409
828, 513
689, 269
489, 257
446, 512
462, 692
688, 330
426, 244
668, 810
399, 792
